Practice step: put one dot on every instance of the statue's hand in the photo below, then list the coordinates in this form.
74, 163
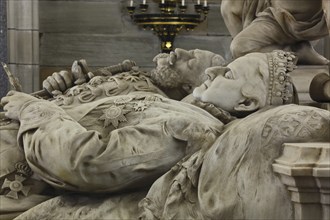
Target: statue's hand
58, 81
13, 103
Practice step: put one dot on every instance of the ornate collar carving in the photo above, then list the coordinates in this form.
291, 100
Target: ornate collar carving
224, 116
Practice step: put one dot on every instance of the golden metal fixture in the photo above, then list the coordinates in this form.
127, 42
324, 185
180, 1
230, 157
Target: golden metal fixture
171, 19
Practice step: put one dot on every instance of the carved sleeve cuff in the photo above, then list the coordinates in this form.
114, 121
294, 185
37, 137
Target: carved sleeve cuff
37, 112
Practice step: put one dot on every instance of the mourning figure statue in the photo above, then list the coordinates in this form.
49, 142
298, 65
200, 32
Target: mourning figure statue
267, 25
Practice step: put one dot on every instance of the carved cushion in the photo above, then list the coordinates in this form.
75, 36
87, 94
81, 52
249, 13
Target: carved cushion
245, 186
235, 179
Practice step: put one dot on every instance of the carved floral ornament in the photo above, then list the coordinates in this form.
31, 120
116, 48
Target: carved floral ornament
114, 115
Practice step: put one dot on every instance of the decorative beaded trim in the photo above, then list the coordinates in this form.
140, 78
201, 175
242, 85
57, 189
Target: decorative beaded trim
280, 90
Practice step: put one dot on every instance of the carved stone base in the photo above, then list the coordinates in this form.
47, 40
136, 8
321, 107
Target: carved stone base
305, 169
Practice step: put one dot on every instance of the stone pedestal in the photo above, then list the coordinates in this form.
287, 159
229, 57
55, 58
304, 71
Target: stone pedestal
305, 169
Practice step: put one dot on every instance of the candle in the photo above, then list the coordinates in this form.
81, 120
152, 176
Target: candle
205, 3
182, 2
131, 3
144, 2
198, 2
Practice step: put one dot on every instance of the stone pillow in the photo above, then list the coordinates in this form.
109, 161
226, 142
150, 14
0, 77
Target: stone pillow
237, 180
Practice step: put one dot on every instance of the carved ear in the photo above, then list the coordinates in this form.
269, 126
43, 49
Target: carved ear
247, 105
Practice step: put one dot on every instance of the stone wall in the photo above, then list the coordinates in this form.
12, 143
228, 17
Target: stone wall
99, 31
102, 32
23, 42
3, 47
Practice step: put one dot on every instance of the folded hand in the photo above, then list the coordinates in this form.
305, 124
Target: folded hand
13, 103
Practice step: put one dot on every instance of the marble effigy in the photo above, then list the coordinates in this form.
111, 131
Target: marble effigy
128, 151
133, 144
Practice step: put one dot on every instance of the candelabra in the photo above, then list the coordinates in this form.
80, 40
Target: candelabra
170, 20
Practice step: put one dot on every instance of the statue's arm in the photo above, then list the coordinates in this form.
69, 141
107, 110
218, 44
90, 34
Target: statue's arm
231, 11
55, 145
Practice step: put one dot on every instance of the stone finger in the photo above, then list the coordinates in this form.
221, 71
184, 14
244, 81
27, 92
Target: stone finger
46, 85
68, 78
60, 81
9, 114
11, 92
7, 107
53, 83
4, 100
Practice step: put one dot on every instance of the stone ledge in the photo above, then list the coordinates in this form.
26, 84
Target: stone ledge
305, 169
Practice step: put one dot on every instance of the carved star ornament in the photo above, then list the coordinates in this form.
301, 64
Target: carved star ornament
114, 115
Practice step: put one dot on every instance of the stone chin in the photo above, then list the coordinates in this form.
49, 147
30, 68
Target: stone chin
198, 92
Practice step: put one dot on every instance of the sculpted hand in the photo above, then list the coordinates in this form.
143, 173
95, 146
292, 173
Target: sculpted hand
13, 103
58, 81
64, 80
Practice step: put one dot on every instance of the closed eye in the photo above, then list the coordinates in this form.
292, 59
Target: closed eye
210, 75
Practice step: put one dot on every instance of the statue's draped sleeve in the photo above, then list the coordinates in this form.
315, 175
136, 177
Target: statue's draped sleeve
105, 153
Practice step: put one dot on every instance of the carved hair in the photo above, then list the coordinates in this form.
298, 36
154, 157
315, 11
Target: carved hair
166, 77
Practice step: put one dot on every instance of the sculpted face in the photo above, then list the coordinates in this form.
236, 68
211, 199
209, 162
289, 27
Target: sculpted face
194, 62
236, 88
184, 67
222, 88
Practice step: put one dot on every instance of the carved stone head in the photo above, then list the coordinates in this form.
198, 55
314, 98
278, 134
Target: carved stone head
249, 82
184, 68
